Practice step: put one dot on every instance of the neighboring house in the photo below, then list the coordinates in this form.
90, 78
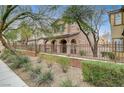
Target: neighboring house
117, 28
105, 38
69, 41
103, 41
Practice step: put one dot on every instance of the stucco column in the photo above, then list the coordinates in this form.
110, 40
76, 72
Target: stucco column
57, 46
68, 48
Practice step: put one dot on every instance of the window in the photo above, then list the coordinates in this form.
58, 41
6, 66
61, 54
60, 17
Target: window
118, 19
119, 45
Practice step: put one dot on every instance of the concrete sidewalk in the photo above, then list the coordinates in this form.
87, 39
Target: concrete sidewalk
8, 78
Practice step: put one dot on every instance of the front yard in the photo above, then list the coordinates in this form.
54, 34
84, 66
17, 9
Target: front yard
41, 73
58, 71
73, 74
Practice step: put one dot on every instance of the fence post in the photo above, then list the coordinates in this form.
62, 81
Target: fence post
115, 51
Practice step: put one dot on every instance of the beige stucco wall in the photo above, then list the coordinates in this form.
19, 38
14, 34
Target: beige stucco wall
116, 30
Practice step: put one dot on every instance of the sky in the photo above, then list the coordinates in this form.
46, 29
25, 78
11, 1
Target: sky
105, 28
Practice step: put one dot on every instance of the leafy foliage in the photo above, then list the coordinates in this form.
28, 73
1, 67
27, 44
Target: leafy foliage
67, 83
110, 55
34, 72
80, 14
103, 74
64, 62
82, 53
41, 78
27, 66
11, 35
20, 62
48, 58
12, 17
89, 20
25, 31
16, 61
6, 53
45, 78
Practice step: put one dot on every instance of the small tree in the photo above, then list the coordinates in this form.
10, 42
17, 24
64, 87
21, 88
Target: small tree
12, 15
25, 32
89, 20
11, 36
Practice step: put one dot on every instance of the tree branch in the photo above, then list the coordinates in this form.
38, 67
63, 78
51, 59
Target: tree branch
16, 18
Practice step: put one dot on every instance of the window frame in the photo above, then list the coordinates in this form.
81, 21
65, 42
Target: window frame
121, 19
116, 44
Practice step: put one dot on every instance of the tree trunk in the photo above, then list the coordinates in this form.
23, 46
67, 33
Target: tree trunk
26, 41
95, 52
36, 47
3, 41
95, 49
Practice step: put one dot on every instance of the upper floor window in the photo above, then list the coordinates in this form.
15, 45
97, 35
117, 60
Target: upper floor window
118, 18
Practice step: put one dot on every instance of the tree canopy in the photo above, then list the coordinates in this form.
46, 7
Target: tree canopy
89, 20
11, 16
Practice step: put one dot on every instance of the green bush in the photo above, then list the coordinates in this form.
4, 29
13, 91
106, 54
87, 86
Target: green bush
27, 67
5, 54
110, 55
10, 58
103, 74
49, 59
82, 53
19, 62
45, 78
34, 72
64, 62
67, 83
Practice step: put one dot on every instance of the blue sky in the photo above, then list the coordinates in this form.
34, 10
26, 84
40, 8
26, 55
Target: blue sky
104, 29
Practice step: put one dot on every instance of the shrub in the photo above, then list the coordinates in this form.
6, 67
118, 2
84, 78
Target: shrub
19, 62
10, 58
6, 53
103, 74
34, 72
27, 67
49, 59
64, 62
67, 83
82, 53
45, 78
110, 55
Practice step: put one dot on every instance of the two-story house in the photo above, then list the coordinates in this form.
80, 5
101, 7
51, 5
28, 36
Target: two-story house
68, 41
116, 19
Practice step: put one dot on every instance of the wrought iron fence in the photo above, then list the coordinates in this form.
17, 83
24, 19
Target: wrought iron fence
108, 52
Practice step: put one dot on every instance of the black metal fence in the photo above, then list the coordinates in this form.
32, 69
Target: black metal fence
108, 52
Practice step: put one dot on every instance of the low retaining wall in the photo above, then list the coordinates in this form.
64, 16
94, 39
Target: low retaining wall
74, 61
